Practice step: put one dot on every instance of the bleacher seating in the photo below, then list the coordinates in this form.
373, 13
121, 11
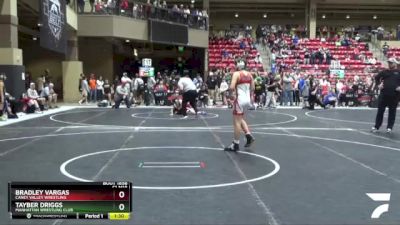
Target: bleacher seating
352, 67
393, 52
229, 46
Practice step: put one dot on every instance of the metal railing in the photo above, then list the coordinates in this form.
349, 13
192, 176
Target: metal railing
143, 11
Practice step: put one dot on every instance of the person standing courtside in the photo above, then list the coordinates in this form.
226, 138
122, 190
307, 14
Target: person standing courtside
243, 85
3, 104
389, 85
189, 90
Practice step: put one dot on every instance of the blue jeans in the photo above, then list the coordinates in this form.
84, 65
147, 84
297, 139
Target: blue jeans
288, 97
93, 95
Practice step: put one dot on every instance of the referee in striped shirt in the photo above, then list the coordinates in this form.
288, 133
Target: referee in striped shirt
187, 86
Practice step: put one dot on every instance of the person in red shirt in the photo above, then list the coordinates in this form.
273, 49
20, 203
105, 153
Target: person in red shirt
93, 88
160, 93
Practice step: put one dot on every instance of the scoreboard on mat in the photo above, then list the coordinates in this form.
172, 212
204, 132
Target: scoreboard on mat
59, 200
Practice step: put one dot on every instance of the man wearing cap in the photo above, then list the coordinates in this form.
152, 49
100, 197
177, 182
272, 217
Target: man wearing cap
389, 83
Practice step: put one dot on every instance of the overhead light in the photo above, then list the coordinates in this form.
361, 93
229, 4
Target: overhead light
292, 15
265, 15
375, 17
347, 16
127, 41
34, 38
192, 1
236, 15
323, 16
39, 25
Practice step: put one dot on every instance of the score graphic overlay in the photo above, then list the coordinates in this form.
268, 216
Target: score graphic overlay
66, 200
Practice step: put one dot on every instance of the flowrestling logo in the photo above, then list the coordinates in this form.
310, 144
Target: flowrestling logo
55, 17
379, 197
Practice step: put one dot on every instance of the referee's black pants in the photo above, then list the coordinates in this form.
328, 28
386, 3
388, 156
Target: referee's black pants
386, 101
189, 96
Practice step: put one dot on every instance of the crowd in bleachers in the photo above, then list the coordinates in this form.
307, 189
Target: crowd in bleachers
338, 60
322, 69
226, 53
156, 9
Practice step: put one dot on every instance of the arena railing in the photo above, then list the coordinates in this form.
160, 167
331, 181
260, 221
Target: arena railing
144, 12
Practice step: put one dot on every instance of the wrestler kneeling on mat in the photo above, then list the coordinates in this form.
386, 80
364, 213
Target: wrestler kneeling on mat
176, 100
242, 85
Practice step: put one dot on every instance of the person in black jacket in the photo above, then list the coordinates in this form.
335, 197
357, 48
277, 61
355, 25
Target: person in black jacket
312, 97
389, 84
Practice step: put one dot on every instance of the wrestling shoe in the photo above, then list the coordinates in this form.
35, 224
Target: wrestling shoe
374, 130
249, 140
233, 147
389, 131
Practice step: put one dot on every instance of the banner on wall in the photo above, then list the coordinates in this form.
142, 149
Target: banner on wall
53, 34
338, 73
146, 71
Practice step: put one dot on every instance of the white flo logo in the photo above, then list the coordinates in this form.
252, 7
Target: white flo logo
55, 17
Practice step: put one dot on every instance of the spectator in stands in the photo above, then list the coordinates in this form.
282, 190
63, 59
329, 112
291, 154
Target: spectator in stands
306, 56
40, 83
304, 87
223, 89
259, 91
385, 48
160, 93
45, 93
35, 99
313, 57
203, 96
138, 87
258, 58
212, 83
176, 12
299, 86
135, 11
372, 61
151, 83
186, 13
91, 2
272, 86
111, 6
325, 86
287, 87
99, 89
329, 57
198, 81
3, 104
124, 6
343, 94
330, 99
100, 6
122, 94
108, 91
85, 90
93, 88
313, 98
273, 57
81, 6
